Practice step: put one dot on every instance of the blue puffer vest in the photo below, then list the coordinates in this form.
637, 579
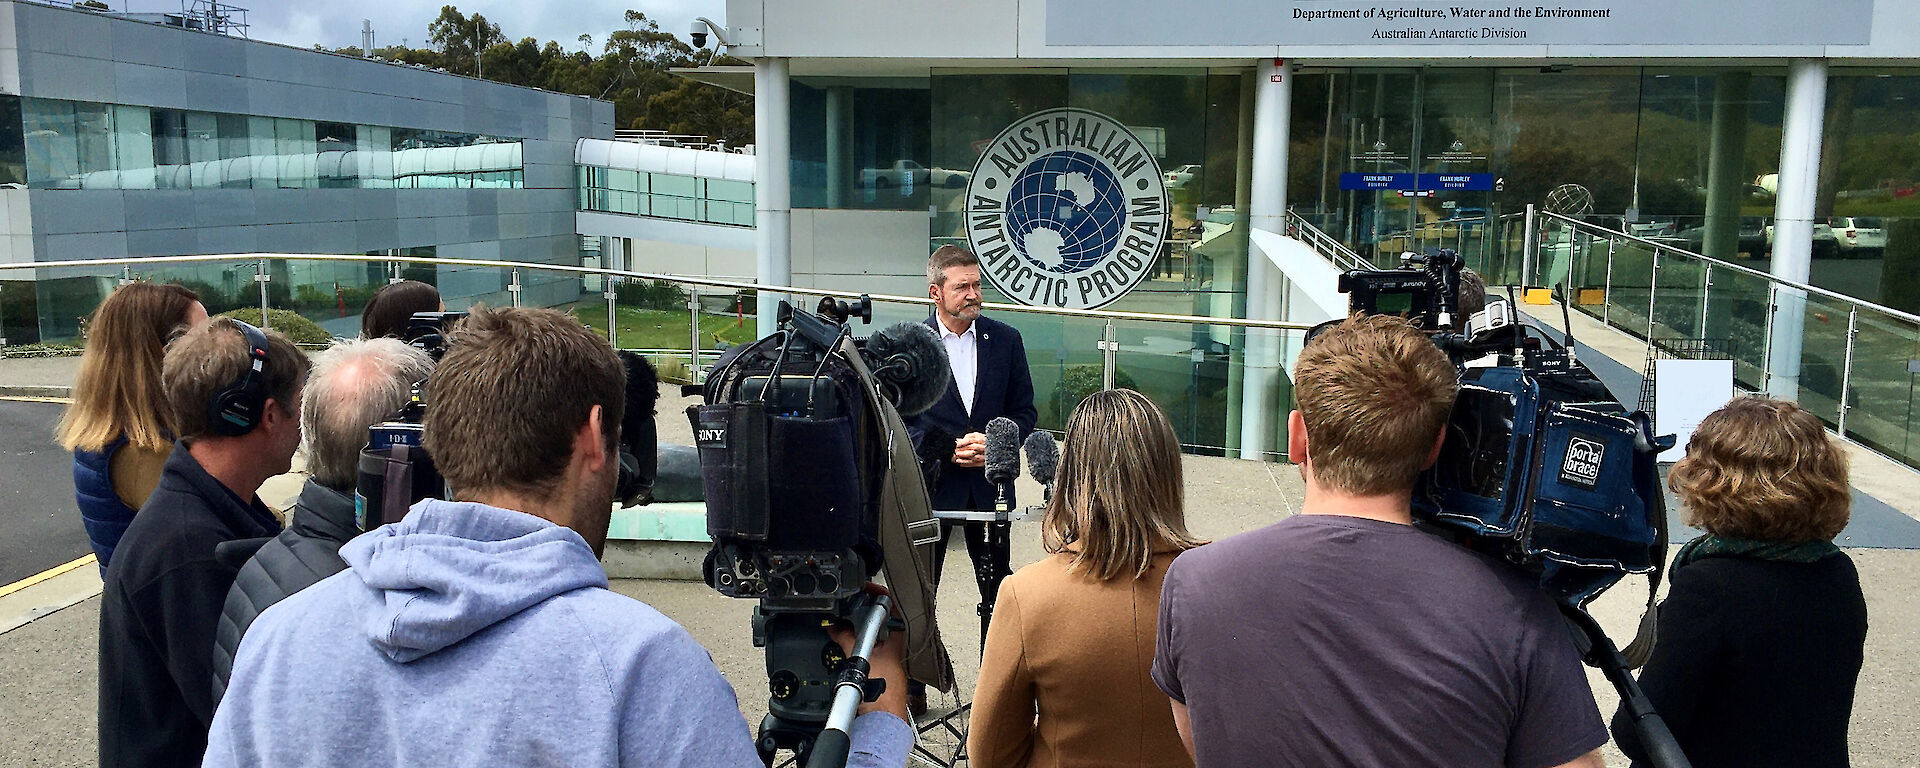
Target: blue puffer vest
101, 510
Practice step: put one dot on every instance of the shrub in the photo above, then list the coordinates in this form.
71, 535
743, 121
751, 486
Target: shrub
300, 330
1078, 381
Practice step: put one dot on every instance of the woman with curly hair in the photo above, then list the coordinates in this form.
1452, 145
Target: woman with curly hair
1762, 634
118, 427
1064, 676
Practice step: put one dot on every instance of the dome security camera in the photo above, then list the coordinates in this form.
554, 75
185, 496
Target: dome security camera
698, 33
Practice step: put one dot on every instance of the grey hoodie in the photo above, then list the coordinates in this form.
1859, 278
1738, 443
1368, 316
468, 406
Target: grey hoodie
472, 635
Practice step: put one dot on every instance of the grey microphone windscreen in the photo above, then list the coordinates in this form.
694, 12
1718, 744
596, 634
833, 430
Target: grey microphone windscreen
1003, 450
909, 358
1043, 457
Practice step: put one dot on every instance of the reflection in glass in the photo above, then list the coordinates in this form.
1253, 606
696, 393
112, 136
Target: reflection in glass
80, 145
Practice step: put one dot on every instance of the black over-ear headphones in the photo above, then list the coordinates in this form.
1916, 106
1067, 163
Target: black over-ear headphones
235, 410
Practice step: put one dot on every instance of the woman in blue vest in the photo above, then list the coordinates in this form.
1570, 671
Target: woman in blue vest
118, 425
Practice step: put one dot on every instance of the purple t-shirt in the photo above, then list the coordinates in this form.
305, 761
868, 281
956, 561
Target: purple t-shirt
1331, 641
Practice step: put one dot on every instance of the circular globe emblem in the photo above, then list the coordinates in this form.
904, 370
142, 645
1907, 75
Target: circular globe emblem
1066, 208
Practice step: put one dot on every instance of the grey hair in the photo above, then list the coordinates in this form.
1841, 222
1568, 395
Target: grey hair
944, 257
355, 384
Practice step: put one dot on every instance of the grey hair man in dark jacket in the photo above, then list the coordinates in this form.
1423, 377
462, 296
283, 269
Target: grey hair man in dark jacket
354, 385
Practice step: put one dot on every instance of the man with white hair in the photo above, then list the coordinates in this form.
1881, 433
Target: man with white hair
354, 384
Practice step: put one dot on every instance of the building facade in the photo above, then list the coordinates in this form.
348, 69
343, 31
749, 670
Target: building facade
120, 137
1778, 135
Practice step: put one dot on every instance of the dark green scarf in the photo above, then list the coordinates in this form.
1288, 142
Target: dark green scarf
1710, 545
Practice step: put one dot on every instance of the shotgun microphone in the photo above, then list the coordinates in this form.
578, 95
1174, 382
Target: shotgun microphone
1043, 460
911, 365
1003, 459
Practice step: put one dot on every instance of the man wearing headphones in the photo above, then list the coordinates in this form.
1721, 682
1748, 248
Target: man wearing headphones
234, 393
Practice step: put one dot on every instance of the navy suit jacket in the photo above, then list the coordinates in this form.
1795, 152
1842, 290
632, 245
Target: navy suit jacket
1002, 387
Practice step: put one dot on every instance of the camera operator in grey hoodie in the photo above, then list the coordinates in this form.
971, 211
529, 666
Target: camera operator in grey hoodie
480, 631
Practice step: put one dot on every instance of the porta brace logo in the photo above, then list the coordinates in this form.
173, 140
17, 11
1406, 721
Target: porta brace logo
1582, 465
1066, 208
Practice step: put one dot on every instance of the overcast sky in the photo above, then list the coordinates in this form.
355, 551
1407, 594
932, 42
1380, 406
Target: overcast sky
336, 23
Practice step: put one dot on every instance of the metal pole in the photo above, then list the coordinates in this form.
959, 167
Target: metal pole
513, 288
1606, 288
1107, 348
126, 274
261, 277
693, 326
1527, 251
1846, 372
612, 295
1706, 293
1766, 351
1653, 292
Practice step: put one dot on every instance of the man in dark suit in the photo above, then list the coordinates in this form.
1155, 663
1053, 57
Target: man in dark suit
990, 379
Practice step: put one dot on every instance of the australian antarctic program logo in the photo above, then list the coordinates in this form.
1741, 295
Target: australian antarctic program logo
1066, 208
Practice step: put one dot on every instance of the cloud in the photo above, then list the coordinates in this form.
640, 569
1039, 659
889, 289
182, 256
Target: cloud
337, 23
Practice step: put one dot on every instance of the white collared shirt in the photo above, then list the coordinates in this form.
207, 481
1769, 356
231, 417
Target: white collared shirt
963, 353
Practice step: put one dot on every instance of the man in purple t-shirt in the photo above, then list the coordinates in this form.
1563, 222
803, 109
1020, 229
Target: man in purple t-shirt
1344, 636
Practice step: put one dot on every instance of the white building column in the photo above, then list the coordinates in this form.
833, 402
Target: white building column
1259, 401
773, 192
1798, 184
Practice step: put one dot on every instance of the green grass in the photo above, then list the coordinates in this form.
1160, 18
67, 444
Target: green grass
661, 329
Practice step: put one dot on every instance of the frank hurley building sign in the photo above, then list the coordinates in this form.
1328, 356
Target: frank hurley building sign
1356, 22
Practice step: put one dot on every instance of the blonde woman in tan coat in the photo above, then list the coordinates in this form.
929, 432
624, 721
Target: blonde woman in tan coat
1064, 678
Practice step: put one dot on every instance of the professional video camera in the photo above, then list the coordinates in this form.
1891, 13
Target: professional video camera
395, 470
811, 489
1541, 467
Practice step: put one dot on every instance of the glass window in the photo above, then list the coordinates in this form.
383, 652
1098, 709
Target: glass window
52, 150
864, 147
13, 147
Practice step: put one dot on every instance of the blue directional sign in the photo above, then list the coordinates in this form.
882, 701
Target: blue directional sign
1471, 181
1376, 181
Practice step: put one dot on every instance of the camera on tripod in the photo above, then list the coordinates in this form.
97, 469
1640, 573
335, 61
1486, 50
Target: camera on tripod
396, 472
795, 437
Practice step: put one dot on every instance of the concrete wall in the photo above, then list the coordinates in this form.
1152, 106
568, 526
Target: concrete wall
872, 251
74, 55
955, 34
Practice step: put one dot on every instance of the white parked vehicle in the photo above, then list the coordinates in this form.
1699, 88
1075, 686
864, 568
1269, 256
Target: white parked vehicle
1858, 236
1182, 176
909, 173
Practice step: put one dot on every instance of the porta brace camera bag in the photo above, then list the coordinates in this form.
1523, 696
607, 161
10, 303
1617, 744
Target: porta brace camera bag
1569, 490
777, 444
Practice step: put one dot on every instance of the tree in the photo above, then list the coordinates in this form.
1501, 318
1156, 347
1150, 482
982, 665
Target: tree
462, 38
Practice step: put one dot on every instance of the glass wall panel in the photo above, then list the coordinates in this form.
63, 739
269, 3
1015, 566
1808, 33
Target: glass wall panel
1868, 246
13, 147
864, 143
1193, 125
81, 145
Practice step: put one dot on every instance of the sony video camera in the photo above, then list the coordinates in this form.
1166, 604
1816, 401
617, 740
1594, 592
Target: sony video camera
1541, 466
794, 451
395, 470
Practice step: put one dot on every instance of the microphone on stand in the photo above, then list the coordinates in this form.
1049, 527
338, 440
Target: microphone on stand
1003, 460
1043, 460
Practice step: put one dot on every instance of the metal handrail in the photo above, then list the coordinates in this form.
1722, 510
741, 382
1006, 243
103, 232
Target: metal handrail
1105, 314
1335, 251
1658, 246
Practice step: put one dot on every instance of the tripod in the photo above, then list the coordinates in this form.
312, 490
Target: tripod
817, 745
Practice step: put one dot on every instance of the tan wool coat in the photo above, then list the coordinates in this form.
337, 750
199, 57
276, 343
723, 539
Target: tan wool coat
1064, 680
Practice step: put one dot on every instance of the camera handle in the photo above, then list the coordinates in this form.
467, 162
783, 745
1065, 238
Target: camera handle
831, 748
1662, 749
